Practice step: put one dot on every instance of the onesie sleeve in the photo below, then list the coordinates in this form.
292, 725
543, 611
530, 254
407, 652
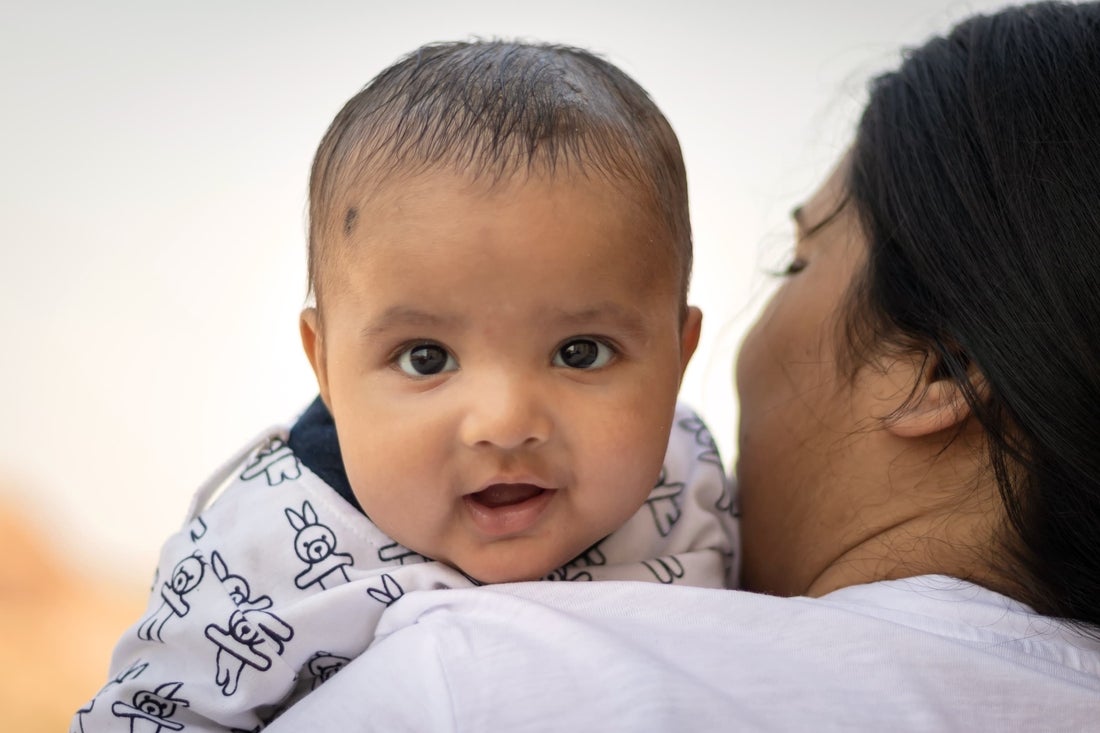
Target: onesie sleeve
263, 596
205, 656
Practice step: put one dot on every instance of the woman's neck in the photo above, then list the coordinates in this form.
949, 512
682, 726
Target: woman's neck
936, 511
950, 543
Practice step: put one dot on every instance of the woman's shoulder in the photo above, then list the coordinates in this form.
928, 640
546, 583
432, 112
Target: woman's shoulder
921, 654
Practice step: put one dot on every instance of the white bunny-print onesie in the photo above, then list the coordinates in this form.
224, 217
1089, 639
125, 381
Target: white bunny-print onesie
279, 582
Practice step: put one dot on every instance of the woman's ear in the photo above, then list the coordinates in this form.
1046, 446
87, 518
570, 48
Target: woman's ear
309, 325
937, 404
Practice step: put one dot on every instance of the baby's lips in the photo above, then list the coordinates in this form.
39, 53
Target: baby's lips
506, 494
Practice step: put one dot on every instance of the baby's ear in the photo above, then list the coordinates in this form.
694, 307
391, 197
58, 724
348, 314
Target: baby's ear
938, 403
689, 336
309, 325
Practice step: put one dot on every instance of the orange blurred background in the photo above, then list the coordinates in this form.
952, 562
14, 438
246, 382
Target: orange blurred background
58, 628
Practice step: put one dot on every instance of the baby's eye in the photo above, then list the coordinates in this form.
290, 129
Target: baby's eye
424, 360
583, 354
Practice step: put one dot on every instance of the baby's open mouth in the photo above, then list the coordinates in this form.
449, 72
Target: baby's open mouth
499, 495
507, 509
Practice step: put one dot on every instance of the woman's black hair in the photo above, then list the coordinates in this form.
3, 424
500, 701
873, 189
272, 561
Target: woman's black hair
976, 173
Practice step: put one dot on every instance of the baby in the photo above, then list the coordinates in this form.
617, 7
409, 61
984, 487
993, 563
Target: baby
499, 256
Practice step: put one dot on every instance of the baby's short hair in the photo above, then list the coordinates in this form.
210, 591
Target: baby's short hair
493, 110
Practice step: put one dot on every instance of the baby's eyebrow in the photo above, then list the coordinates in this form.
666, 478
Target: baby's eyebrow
399, 316
627, 319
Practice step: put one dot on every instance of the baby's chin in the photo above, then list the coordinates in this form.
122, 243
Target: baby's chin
495, 578
509, 569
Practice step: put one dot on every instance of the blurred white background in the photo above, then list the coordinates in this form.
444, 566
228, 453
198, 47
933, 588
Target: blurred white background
154, 159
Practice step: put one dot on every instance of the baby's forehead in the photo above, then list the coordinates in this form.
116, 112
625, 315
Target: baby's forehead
400, 194
528, 210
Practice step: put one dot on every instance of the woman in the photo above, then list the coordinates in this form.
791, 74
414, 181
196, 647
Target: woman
918, 456
954, 397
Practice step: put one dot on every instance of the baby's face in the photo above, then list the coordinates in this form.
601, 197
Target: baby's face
502, 366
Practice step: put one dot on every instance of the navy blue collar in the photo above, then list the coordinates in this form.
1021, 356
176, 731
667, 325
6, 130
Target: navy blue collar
313, 440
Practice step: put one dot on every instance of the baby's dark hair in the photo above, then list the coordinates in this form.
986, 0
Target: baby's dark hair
495, 110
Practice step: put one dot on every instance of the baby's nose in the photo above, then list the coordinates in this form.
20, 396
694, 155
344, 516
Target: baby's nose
508, 412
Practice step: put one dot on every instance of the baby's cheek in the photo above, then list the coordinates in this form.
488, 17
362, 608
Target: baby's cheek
627, 476
369, 490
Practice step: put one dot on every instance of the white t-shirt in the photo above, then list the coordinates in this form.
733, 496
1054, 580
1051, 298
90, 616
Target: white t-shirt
924, 654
